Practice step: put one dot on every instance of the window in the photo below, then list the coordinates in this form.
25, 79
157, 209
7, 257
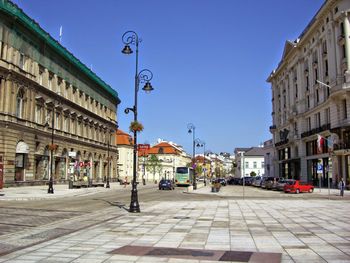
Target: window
308, 123
296, 90
57, 121
307, 82
262, 165
318, 120
308, 101
50, 81
327, 114
38, 114
22, 61
345, 110
254, 165
246, 165
40, 76
19, 103
316, 75
65, 124
317, 96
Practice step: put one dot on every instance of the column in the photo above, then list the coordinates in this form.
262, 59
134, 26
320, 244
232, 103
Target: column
347, 46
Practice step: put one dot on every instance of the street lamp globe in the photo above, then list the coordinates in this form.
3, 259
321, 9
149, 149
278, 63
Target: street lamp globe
127, 50
148, 87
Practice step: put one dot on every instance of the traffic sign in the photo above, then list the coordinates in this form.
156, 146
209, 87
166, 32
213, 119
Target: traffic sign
319, 168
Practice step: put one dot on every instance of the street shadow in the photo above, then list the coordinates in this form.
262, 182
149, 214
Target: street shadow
117, 204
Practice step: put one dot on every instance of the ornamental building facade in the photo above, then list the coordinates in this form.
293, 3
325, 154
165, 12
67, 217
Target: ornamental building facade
310, 100
55, 113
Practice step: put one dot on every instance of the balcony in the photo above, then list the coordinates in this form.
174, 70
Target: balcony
324, 127
341, 146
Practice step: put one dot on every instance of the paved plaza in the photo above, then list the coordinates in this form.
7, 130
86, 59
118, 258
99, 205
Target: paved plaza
300, 230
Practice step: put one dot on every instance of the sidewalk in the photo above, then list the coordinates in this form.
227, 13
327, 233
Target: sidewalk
255, 231
252, 230
25, 193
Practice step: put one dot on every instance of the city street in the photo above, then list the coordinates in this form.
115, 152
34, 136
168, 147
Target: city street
94, 226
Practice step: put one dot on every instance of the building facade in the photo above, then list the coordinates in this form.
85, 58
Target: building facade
125, 155
310, 100
269, 159
249, 160
169, 154
56, 115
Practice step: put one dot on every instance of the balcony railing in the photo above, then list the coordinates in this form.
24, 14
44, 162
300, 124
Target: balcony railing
341, 146
316, 130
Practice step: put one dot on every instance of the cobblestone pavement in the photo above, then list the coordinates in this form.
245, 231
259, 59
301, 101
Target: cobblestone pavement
302, 230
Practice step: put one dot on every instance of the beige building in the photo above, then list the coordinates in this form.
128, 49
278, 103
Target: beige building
53, 109
170, 156
310, 100
126, 157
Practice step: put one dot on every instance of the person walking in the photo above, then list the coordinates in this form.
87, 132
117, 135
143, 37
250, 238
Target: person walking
341, 187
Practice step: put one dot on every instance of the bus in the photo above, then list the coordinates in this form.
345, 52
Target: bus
184, 176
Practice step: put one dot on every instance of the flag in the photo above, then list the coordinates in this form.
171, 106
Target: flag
320, 143
61, 33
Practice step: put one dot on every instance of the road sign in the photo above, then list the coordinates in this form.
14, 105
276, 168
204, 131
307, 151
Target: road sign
319, 168
143, 147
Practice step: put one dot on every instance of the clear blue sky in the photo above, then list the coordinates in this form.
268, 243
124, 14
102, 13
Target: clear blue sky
210, 60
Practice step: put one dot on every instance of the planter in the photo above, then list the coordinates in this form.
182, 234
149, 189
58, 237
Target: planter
215, 189
135, 127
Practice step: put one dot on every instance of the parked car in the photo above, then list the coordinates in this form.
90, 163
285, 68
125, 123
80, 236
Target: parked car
296, 186
265, 181
272, 184
280, 184
256, 181
247, 180
166, 184
222, 181
233, 180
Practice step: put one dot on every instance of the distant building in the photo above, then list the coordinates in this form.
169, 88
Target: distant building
269, 159
249, 160
125, 155
170, 155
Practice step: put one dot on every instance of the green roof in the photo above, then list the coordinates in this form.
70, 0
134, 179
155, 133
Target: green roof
13, 10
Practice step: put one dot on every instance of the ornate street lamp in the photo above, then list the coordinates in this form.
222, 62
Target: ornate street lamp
202, 144
52, 148
192, 129
144, 76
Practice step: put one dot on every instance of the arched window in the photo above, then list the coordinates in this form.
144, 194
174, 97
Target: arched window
19, 103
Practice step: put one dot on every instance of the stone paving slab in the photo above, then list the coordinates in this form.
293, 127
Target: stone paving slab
301, 230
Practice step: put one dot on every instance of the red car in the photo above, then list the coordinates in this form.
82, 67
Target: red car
296, 186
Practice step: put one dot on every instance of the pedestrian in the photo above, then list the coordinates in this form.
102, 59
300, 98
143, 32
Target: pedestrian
125, 181
341, 187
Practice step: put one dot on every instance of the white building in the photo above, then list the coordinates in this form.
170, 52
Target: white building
269, 158
249, 160
310, 100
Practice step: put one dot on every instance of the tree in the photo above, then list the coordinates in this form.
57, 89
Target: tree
252, 174
154, 165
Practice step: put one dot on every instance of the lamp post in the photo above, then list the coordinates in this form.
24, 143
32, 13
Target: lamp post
192, 129
108, 168
145, 75
202, 144
108, 151
50, 189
